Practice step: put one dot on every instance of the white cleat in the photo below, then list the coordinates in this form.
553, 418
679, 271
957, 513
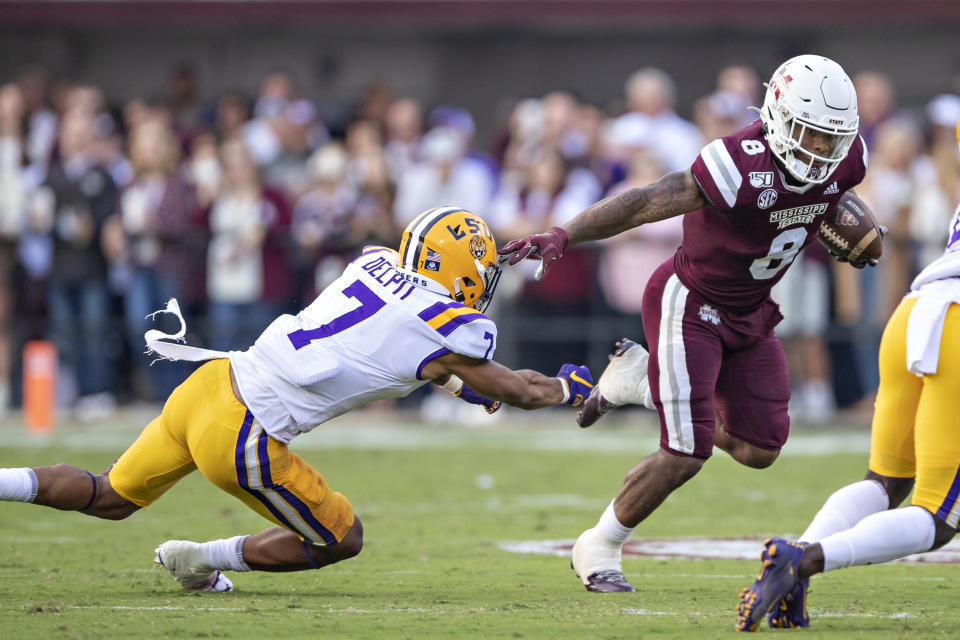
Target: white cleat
597, 562
624, 381
188, 565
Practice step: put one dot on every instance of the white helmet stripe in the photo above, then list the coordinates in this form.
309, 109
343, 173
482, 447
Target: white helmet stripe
425, 222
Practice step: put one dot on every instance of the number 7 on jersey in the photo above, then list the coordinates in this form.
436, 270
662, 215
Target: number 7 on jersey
369, 305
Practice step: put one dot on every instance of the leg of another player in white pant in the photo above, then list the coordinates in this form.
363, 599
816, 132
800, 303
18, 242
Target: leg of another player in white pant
846, 507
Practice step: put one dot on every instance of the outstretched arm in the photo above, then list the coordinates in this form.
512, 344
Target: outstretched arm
672, 195
523, 388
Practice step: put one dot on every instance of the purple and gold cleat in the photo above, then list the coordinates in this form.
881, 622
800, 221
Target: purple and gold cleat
791, 611
778, 578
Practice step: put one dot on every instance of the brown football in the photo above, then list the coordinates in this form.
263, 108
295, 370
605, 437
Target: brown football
850, 231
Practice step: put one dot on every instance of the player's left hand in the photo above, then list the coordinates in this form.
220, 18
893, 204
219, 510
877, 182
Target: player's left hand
577, 383
547, 247
860, 264
469, 395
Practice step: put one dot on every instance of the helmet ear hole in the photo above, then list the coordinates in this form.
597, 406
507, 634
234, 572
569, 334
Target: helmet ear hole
468, 282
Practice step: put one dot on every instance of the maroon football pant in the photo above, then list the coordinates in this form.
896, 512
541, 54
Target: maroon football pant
702, 359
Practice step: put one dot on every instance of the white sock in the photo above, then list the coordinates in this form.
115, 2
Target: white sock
845, 508
880, 537
18, 485
610, 528
225, 554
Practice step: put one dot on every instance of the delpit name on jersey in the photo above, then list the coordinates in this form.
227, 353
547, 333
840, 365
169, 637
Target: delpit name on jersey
798, 215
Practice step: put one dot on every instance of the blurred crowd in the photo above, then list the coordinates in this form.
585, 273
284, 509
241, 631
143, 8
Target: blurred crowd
246, 204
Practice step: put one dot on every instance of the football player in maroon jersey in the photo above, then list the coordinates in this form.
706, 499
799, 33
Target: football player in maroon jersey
715, 372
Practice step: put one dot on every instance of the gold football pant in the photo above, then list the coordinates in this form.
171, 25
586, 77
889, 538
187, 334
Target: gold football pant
915, 431
203, 426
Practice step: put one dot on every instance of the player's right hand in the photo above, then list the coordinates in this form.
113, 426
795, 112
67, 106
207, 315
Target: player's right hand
547, 247
577, 381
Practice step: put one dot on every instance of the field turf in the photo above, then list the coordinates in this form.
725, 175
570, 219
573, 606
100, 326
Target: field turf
436, 502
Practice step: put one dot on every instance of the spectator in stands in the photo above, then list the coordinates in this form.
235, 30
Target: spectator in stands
321, 219
937, 176
299, 133
203, 169
155, 239
876, 102
628, 260
559, 114
444, 175
42, 122
550, 195
404, 131
110, 149
261, 135
582, 144
15, 187
864, 298
232, 114
182, 92
368, 171
651, 97
744, 81
720, 114
249, 277
83, 196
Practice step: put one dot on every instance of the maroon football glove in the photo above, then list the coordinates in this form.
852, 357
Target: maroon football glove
547, 247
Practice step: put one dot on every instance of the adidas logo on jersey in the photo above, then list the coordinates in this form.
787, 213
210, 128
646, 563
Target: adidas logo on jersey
833, 188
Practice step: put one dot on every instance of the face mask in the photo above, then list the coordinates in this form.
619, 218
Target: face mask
800, 167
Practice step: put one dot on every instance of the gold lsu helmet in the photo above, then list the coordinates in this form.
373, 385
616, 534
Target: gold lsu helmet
455, 248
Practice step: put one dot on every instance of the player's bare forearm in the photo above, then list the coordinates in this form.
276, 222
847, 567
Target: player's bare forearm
672, 195
524, 389
537, 391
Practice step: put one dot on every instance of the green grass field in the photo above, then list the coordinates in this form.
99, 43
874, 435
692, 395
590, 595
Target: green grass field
436, 503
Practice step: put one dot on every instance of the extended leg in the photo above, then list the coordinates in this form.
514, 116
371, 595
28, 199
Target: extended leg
200, 565
596, 556
67, 488
278, 549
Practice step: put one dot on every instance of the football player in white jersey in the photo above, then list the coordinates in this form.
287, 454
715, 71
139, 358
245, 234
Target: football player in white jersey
914, 447
391, 323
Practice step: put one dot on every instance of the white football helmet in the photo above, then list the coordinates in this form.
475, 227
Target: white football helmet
810, 116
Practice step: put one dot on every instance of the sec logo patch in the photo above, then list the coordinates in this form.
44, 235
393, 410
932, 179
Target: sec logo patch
767, 198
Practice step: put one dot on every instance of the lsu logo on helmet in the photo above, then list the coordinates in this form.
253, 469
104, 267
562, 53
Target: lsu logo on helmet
478, 247
455, 248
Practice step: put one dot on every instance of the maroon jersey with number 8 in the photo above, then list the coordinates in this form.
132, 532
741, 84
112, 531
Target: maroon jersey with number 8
735, 249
